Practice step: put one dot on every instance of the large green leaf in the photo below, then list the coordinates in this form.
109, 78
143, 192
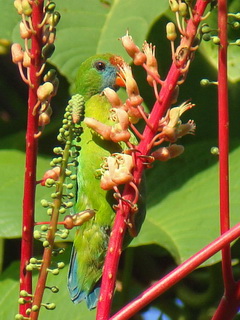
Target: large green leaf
183, 214
89, 27
12, 165
65, 309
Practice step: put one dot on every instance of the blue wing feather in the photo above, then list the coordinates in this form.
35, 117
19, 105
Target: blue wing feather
77, 295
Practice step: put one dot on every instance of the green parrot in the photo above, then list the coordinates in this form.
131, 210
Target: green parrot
91, 239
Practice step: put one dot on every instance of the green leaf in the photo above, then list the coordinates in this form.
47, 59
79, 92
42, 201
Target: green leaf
210, 50
183, 214
65, 309
8, 19
12, 164
89, 27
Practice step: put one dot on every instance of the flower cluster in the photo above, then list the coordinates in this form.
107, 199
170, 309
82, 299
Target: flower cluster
117, 169
24, 58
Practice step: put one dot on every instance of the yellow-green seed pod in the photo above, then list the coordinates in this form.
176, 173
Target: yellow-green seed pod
216, 40
33, 260
18, 6
26, 8
171, 31
174, 6
45, 243
50, 7
35, 308
48, 50
54, 19
183, 9
45, 91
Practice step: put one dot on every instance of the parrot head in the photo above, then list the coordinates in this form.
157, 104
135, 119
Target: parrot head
97, 73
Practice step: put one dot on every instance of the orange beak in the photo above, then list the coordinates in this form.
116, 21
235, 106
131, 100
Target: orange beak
118, 61
119, 80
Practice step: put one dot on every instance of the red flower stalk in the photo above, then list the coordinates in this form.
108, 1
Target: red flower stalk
31, 155
161, 106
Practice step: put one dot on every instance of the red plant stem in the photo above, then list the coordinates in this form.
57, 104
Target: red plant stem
223, 119
159, 109
31, 158
230, 301
177, 274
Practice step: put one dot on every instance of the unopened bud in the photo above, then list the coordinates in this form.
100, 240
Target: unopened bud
50, 75
131, 86
166, 153
112, 97
174, 5
26, 8
54, 18
26, 60
17, 53
24, 32
151, 62
53, 173
171, 31
18, 6
45, 91
183, 9
43, 119
133, 50
50, 7
78, 219
48, 50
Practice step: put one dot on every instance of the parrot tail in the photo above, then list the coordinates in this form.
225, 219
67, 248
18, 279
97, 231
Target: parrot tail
77, 295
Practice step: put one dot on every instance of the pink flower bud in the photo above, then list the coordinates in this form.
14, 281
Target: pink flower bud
24, 32
112, 97
151, 62
166, 153
99, 127
78, 219
133, 50
45, 91
131, 86
26, 60
53, 173
17, 53
43, 119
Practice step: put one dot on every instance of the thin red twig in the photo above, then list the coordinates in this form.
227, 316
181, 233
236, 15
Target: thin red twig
223, 119
31, 158
230, 301
176, 275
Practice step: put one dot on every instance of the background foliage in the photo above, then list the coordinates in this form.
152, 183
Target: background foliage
182, 195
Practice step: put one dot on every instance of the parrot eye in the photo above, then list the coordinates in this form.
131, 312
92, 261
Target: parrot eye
99, 65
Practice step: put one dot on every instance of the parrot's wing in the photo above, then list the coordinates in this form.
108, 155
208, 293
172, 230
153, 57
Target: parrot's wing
77, 295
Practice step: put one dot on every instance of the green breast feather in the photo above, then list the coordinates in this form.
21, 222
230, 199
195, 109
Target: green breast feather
91, 240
